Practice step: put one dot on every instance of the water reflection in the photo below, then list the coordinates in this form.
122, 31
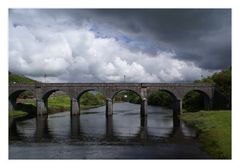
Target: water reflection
109, 128
42, 131
143, 131
14, 133
75, 127
96, 127
80, 133
177, 133
92, 135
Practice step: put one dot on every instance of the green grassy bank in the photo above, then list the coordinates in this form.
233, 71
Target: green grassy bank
14, 78
214, 131
62, 103
17, 114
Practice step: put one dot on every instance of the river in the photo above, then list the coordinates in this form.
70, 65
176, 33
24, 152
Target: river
93, 136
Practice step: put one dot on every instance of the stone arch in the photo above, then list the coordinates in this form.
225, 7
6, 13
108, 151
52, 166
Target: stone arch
88, 90
42, 103
207, 98
198, 91
202, 91
131, 90
173, 96
176, 109
47, 93
142, 105
169, 91
14, 95
82, 92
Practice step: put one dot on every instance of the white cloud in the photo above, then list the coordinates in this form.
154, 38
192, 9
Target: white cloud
68, 53
30, 56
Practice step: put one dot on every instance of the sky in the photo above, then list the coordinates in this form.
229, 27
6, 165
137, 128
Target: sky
104, 45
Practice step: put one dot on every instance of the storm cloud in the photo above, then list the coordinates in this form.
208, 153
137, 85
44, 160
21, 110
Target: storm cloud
102, 45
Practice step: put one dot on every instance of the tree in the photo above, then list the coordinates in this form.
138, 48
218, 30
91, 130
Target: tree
160, 98
222, 98
88, 99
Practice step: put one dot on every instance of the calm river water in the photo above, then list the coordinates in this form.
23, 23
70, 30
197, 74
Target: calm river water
93, 136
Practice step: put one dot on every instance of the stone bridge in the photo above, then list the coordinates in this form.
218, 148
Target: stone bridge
74, 90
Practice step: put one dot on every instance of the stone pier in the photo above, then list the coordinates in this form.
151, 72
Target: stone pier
75, 107
41, 107
144, 106
177, 109
109, 107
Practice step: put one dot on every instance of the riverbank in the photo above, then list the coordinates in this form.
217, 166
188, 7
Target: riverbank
17, 114
214, 131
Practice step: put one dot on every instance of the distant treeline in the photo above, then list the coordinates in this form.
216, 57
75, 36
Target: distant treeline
127, 96
92, 99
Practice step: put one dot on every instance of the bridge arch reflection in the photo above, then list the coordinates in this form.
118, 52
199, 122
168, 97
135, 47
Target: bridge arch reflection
44, 131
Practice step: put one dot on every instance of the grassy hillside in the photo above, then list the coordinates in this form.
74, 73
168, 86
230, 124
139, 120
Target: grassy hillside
14, 78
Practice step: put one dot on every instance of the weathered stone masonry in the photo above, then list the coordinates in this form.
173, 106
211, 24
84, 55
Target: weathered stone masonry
74, 90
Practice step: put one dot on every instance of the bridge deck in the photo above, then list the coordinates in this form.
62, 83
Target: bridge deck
113, 84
